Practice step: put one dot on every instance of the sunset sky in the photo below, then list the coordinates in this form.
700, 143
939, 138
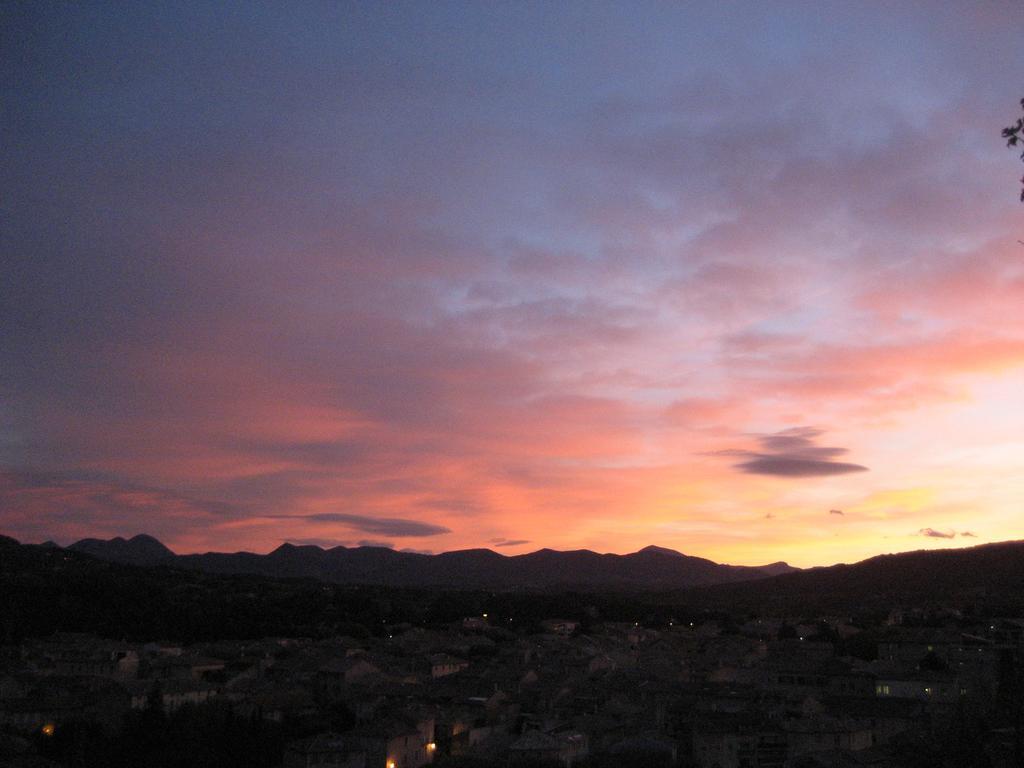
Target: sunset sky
742, 280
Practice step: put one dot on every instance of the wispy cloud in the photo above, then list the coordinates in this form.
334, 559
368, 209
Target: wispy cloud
933, 533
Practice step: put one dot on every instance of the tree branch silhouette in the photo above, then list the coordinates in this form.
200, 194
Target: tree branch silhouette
1014, 135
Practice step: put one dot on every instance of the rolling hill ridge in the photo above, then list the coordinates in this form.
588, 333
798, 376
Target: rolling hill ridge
652, 568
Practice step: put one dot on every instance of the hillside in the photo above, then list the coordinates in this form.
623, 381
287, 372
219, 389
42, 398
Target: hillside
652, 568
989, 574
45, 589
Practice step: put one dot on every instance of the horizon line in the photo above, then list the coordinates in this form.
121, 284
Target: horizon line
411, 551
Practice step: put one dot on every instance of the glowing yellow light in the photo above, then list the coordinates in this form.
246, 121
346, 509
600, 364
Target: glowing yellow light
48, 729
485, 615
431, 747
391, 764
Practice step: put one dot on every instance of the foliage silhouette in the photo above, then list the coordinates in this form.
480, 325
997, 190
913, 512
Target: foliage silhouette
1014, 135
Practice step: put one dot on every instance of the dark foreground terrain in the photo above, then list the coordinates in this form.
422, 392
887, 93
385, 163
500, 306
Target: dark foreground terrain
905, 660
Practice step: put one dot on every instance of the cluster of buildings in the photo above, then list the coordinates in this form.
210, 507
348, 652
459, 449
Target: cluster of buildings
765, 694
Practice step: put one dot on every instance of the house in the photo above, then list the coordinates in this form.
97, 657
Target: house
887, 717
738, 740
396, 742
660, 750
821, 733
560, 627
57, 700
817, 676
174, 693
932, 687
325, 750
335, 674
442, 665
601, 662
168, 668
909, 645
536, 746
276, 703
466, 726
204, 668
97, 658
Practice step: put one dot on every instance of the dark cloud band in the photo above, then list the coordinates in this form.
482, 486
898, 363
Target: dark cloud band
793, 453
381, 526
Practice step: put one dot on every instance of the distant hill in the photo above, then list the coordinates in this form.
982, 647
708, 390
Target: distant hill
138, 550
44, 588
992, 574
988, 574
652, 568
